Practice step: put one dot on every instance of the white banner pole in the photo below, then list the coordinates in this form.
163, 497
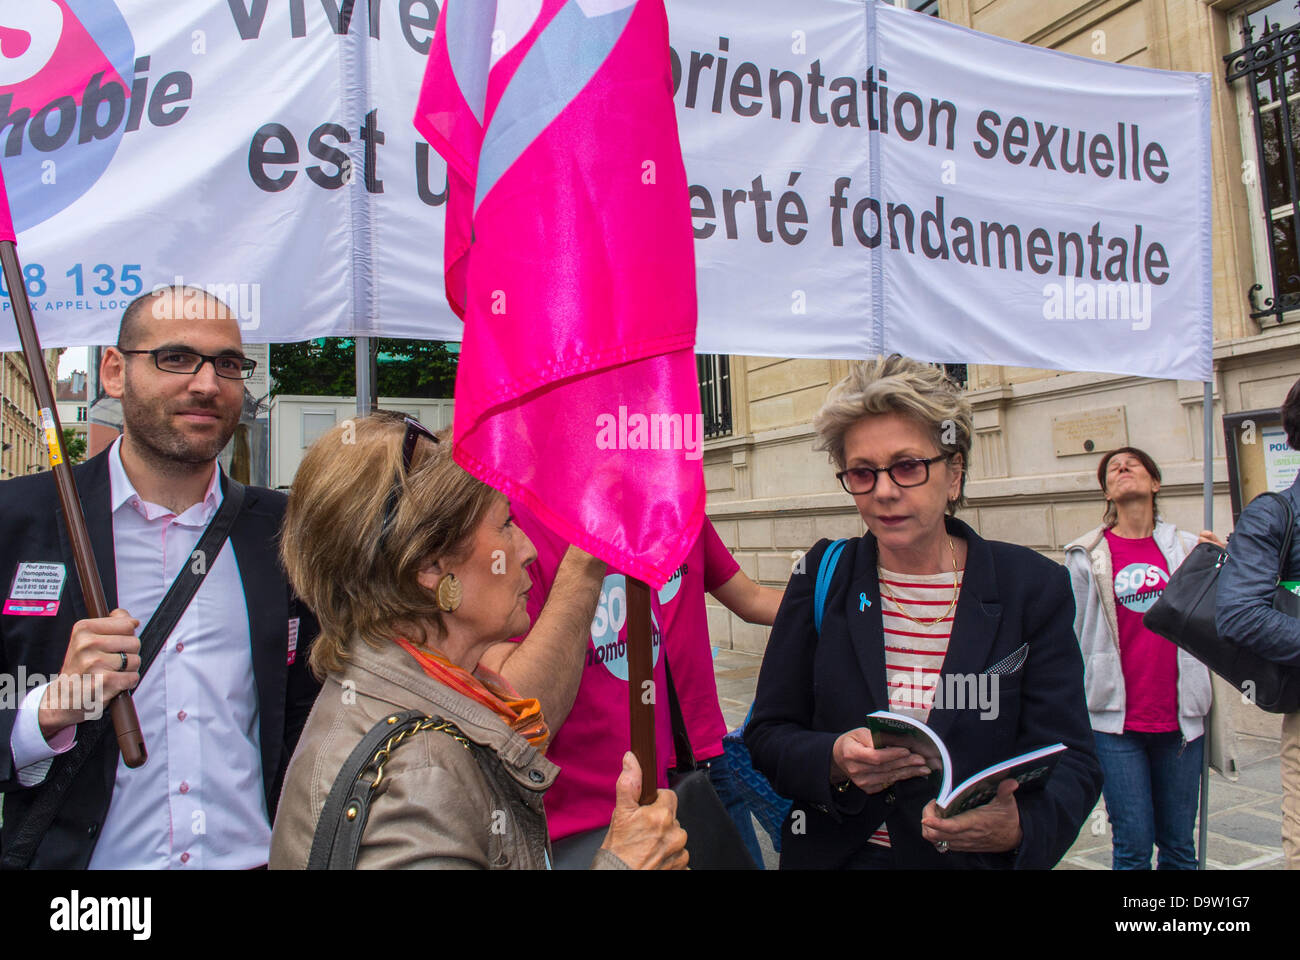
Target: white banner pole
365, 387
1207, 493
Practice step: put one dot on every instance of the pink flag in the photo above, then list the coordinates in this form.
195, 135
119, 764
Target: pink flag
569, 255
6, 218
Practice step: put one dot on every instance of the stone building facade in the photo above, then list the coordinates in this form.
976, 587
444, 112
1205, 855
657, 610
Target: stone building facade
22, 450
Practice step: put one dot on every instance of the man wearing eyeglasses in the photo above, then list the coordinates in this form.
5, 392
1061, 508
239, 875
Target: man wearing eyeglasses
224, 700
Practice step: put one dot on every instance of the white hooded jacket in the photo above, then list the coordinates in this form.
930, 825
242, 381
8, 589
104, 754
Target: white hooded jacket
1092, 575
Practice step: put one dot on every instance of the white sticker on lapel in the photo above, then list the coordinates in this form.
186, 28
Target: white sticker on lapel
293, 639
36, 590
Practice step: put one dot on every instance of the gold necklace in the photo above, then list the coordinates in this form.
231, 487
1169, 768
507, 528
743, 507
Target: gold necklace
925, 623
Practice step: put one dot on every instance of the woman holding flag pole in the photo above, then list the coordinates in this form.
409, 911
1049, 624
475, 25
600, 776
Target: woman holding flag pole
569, 255
416, 756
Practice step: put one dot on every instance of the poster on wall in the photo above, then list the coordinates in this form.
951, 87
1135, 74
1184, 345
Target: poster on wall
1281, 463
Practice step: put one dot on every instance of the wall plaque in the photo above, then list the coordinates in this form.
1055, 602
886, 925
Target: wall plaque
1091, 431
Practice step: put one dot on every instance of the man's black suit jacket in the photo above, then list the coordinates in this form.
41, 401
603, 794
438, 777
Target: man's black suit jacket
32, 529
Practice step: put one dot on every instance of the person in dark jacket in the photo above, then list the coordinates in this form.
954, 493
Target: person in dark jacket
1245, 616
923, 617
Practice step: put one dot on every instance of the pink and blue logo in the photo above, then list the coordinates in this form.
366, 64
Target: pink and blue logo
66, 69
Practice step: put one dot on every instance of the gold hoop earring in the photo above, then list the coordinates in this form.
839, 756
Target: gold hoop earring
450, 593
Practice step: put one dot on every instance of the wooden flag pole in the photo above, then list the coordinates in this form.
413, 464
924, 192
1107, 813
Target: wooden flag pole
125, 722
641, 690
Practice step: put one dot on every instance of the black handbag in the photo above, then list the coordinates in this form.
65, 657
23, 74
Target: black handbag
712, 839
576, 851
337, 840
1185, 612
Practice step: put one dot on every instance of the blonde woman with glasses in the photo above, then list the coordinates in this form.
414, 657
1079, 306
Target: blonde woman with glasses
919, 608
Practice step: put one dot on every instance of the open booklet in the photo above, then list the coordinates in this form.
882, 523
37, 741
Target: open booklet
1029, 769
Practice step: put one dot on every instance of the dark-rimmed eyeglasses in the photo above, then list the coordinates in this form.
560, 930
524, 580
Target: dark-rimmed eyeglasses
912, 472
229, 366
414, 431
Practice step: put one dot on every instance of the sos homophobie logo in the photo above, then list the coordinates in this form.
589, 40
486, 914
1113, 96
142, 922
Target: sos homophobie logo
69, 90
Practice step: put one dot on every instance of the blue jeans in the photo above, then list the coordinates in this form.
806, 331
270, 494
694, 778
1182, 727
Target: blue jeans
1152, 790
725, 785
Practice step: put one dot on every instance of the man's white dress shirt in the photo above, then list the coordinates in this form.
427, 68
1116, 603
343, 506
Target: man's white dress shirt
198, 802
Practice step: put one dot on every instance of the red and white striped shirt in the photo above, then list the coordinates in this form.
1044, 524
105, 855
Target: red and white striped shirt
914, 652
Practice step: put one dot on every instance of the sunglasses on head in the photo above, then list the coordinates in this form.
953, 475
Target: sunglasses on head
414, 431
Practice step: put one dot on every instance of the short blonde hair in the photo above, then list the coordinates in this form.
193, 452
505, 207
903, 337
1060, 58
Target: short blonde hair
358, 583
898, 384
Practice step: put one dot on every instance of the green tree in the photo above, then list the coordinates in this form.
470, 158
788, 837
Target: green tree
416, 368
327, 367
74, 445
323, 367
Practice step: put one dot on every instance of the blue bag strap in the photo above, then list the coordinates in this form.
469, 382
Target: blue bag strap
825, 573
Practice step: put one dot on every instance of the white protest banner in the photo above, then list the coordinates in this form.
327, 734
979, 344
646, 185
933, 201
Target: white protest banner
1061, 205
867, 180
214, 167
763, 148
864, 179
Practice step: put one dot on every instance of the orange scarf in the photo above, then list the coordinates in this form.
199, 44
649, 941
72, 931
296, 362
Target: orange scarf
522, 715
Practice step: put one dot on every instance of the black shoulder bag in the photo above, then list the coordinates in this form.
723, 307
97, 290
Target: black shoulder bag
337, 840
52, 794
712, 839
1185, 613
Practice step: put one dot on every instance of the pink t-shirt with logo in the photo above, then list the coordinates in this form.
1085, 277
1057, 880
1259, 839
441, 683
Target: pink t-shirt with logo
686, 625
590, 744
1149, 661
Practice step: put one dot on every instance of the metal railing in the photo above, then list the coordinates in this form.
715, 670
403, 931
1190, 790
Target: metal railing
714, 372
1271, 68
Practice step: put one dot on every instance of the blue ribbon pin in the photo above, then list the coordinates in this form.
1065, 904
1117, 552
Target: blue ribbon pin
863, 602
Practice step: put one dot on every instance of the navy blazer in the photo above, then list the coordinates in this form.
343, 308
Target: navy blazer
32, 529
813, 688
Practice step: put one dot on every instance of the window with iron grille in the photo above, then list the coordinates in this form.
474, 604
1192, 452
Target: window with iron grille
928, 7
714, 371
1266, 71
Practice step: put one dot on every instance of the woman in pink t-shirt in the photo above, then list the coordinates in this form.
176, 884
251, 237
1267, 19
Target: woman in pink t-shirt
1147, 700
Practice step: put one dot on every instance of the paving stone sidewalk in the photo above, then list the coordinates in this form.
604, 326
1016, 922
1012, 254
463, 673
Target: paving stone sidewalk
1245, 816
